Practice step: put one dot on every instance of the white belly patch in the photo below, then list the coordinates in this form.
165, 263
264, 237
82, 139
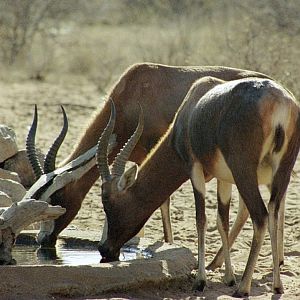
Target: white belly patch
220, 170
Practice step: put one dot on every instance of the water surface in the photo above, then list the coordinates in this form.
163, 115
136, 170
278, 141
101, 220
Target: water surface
32, 255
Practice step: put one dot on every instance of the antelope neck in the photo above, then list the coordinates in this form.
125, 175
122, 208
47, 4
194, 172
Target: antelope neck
160, 175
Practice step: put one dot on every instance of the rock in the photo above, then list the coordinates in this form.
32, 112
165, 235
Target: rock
5, 200
13, 189
5, 174
19, 163
170, 264
20, 215
8, 143
33, 226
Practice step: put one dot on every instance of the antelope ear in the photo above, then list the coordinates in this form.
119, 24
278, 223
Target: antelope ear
128, 178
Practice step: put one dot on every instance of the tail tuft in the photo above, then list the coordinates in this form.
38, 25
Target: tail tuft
279, 138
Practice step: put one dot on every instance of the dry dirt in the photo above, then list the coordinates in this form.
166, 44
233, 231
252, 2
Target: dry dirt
80, 100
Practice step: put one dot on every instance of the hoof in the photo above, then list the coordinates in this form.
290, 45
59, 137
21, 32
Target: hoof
48, 242
231, 282
47, 253
199, 285
213, 266
278, 290
281, 263
229, 278
238, 294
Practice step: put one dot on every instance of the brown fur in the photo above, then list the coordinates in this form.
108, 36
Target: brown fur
266, 111
140, 200
233, 120
160, 89
226, 121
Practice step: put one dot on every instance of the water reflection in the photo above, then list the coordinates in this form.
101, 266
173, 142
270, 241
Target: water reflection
32, 255
45, 254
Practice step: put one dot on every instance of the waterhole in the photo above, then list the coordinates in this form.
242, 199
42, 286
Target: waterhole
33, 255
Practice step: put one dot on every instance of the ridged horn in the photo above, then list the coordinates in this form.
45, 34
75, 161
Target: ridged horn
119, 163
102, 147
49, 162
31, 149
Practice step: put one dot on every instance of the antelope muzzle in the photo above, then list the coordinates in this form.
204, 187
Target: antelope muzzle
108, 254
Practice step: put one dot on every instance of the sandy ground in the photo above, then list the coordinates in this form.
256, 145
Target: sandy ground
80, 100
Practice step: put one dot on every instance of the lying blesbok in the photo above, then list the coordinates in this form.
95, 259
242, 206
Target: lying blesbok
244, 132
160, 90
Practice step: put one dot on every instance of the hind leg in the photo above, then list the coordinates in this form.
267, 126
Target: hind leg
276, 224
248, 188
281, 217
280, 229
276, 206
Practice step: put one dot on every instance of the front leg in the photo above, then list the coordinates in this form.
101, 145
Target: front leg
241, 218
165, 214
198, 183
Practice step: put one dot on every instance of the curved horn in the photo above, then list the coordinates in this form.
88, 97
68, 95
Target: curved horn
121, 159
30, 147
49, 162
102, 147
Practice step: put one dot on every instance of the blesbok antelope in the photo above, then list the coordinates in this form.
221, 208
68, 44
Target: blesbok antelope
29, 210
160, 90
244, 132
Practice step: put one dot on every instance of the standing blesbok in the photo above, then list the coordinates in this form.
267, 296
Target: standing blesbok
244, 132
160, 90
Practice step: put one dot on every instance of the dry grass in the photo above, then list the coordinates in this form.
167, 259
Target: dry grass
218, 34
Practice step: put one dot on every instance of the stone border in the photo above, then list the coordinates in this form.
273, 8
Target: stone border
169, 263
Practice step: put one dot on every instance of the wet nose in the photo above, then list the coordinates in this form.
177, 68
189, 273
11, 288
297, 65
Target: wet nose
48, 242
107, 254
